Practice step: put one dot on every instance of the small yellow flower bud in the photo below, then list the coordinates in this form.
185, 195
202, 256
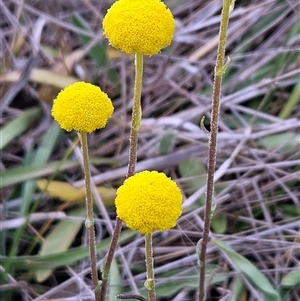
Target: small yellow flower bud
149, 201
139, 26
82, 107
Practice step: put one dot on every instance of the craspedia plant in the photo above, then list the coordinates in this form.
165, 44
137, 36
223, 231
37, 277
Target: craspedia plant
139, 26
149, 201
82, 107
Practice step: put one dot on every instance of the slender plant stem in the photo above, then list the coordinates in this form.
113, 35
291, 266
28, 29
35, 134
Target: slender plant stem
219, 70
135, 124
150, 282
90, 215
136, 113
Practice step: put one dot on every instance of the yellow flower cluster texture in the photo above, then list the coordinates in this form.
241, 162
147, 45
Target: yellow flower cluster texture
139, 26
82, 107
149, 201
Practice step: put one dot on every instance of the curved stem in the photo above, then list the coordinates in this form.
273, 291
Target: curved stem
150, 282
135, 124
90, 215
219, 70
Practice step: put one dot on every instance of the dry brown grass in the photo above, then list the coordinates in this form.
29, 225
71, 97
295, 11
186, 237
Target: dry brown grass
257, 187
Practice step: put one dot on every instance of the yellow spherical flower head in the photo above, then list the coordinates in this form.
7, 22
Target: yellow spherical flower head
149, 201
139, 26
82, 107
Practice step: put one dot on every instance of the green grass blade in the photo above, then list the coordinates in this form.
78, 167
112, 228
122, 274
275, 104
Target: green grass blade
114, 281
195, 172
292, 279
60, 239
258, 279
237, 289
48, 144
17, 126
98, 52
289, 282
177, 280
292, 102
71, 256
41, 156
19, 174
167, 142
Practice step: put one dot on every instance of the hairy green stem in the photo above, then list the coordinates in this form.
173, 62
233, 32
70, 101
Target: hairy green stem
135, 124
150, 282
136, 113
219, 70
90, 214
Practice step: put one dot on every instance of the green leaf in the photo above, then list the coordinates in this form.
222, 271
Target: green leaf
17, 175
98, 52
249, 270
17, 126
291, 279
114, 281
284, 141
289, 282
289, 211
193, 172
237, 289
167, 142
20, 174
219, 223
51, 261
33, 158
176, 280
291, 103
60, 239
48, 144
41, 156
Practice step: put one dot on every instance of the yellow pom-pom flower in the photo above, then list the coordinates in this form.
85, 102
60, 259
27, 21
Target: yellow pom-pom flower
82, 107
139, 26
149, 201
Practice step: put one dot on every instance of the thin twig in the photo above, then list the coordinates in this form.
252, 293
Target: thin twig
219, 70
90, 215
135, 124
150, 282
